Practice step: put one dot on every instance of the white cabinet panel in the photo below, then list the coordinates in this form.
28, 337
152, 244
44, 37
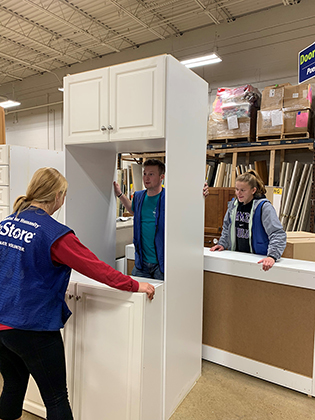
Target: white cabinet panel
4, 196
86, 107
4, 155
118, 360
122, 102
137, 99
4, 175
4, 212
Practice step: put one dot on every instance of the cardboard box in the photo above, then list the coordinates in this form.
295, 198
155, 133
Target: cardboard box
297, 97
300, 234
302, 248
218, 128
272, 97
299, 121
269, 122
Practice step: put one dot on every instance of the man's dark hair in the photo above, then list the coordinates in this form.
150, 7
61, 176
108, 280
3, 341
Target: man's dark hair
155, 162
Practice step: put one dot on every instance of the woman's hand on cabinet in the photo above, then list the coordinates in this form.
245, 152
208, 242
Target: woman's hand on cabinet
148, 289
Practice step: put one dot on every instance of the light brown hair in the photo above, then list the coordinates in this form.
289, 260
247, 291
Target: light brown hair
253, 179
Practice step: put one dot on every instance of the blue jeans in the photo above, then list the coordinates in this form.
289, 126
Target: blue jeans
150, 271
38, 353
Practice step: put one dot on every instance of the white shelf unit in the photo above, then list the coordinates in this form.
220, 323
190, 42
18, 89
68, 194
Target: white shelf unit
155, 104
17, 165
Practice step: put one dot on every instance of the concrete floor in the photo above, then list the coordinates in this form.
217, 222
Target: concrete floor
224, 394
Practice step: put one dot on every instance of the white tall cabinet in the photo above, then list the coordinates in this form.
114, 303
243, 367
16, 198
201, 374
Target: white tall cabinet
148, 105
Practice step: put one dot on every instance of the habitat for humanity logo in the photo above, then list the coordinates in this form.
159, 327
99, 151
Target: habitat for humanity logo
10, 230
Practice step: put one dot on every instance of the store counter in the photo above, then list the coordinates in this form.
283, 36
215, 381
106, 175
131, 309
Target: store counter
260, 323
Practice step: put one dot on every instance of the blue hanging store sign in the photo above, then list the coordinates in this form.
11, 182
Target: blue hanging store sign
307, 63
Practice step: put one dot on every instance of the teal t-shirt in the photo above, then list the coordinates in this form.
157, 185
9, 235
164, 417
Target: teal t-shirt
148, 228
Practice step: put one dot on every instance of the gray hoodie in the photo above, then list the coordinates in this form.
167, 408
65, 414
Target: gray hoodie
270, 221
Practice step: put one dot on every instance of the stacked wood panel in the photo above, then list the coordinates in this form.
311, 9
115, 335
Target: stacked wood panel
296, 180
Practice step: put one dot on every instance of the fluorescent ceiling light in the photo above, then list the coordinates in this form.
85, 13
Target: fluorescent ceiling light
202, 61
9, 104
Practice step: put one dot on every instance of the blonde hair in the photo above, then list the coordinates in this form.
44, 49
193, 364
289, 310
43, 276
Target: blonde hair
253, 179
43, 188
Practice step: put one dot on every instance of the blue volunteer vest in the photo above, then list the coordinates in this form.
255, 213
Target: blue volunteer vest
260, 240
159, 228
32, 288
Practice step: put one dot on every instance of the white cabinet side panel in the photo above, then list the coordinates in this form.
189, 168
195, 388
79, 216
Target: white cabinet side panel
91, 202
152, 369
186, 113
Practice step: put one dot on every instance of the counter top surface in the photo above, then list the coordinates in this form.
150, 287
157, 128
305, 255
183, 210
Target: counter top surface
80, 278
285, 271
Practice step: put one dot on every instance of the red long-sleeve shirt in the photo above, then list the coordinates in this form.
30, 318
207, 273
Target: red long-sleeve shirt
70, 251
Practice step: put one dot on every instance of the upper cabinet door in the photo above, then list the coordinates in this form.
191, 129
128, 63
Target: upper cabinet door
86, 107
137, 99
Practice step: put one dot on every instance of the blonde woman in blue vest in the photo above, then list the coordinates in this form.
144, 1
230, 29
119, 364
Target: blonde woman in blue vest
251, 223
36, 256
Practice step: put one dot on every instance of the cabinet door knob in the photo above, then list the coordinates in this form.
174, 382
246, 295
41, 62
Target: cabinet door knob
103, 128
110, 127
215, 241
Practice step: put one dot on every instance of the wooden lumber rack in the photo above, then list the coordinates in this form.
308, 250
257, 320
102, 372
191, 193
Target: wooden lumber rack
272, 146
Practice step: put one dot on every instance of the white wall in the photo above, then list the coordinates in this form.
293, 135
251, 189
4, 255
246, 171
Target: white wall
260, 49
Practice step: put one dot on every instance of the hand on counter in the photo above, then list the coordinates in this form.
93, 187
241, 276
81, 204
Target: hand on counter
267, 263
148, 289
217, 248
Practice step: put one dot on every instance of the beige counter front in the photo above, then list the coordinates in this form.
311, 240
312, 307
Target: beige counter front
261, 323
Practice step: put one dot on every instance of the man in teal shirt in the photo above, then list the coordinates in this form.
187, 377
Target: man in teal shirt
148, 208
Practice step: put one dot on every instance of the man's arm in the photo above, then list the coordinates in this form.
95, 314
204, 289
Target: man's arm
125, 201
